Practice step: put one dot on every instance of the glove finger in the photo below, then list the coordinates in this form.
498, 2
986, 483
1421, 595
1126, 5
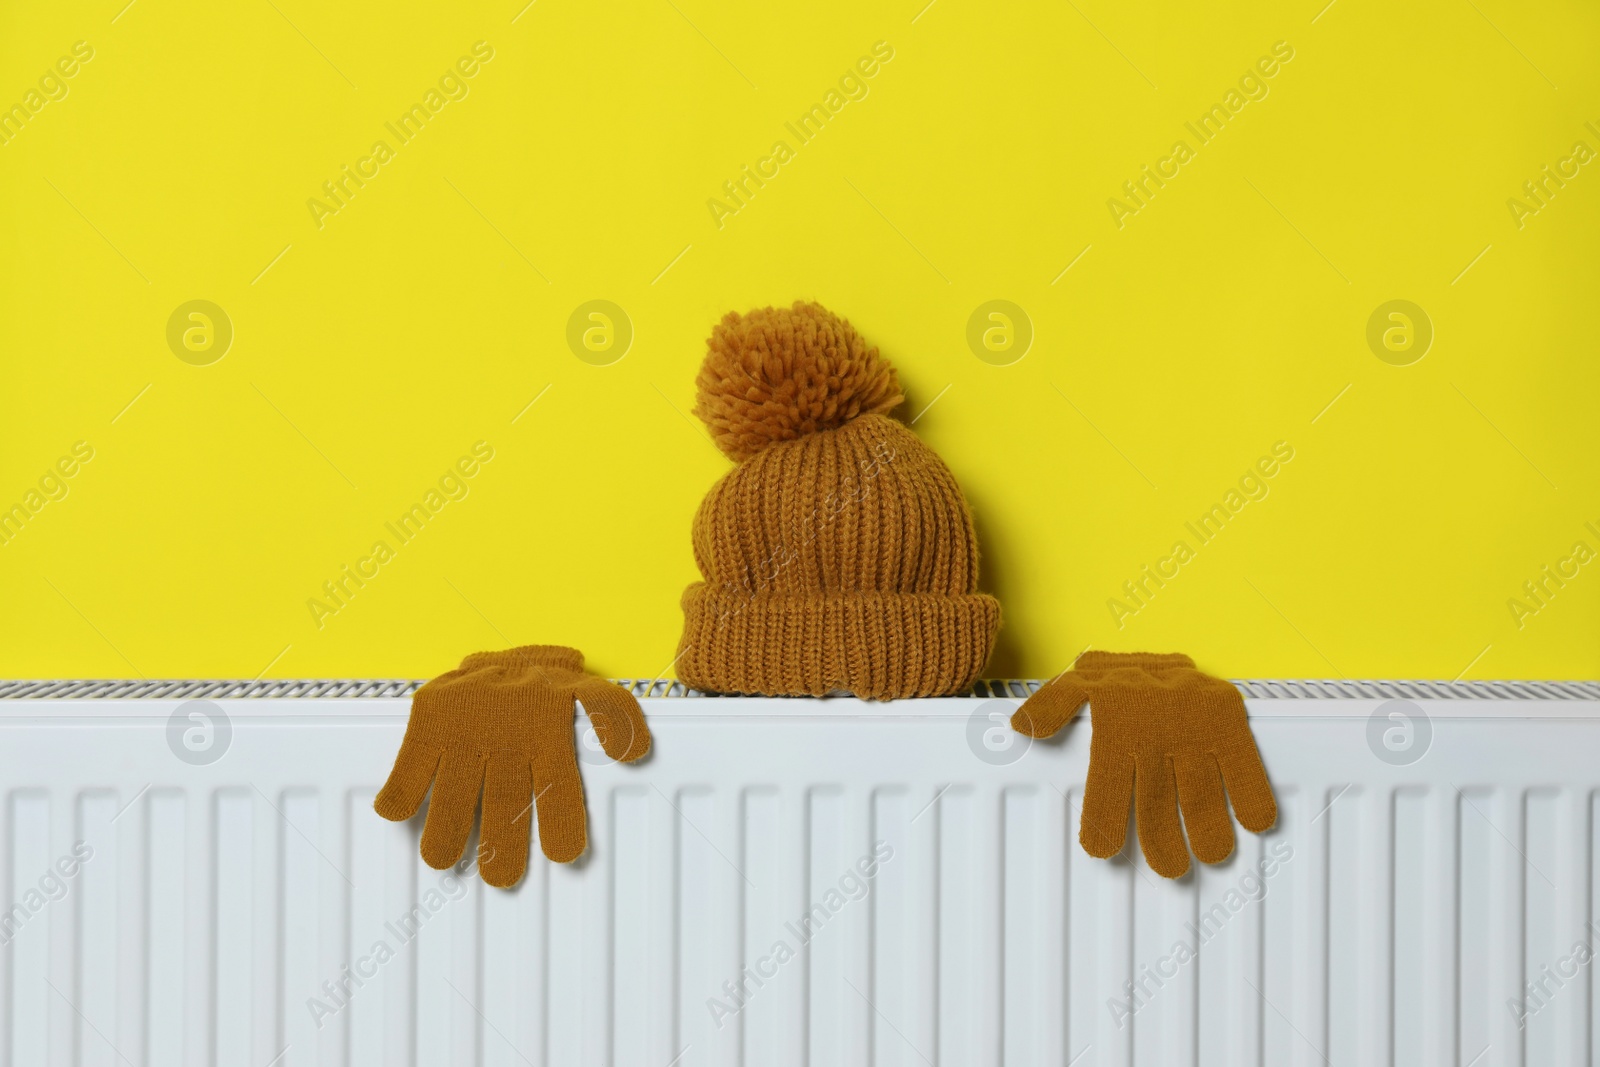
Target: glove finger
1107, 800
617, 719
1156, 810
1049, 709
558, 795
1205, 808
1247, 783
408, 783
451, 808
507, 818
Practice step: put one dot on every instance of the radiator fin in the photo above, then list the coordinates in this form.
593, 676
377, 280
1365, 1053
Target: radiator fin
667, 688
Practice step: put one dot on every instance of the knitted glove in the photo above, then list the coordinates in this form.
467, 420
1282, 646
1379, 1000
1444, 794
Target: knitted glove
502, 723
1165, 737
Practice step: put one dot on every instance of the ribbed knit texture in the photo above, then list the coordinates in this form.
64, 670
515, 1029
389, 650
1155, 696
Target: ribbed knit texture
1165, 737
842, 560
501, 724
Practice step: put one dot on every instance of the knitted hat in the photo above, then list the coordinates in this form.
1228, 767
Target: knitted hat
839, 554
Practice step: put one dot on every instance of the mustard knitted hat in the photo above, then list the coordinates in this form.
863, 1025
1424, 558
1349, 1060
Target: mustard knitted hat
839, 554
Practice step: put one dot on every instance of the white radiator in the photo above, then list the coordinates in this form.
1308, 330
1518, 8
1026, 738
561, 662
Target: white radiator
206, 883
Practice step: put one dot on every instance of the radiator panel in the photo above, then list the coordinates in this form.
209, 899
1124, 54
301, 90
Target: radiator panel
249, 908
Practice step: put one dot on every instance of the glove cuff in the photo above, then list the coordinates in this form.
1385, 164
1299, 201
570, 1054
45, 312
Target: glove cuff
554, 656
1106, 660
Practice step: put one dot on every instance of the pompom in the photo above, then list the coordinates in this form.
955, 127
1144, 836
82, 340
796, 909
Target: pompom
777, 374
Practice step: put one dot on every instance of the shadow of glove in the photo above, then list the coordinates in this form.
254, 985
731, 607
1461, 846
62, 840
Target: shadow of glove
1165, 737
502, 723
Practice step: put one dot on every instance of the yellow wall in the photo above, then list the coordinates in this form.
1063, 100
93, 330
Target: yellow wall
374, 346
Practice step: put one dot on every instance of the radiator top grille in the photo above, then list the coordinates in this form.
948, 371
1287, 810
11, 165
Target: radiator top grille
1013, 688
